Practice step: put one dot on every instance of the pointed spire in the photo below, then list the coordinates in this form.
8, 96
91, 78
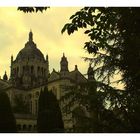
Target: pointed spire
90, 72
76, 67
63, 63
64, 58
11, 58
90, 69
5, 77
47, 57
30, 36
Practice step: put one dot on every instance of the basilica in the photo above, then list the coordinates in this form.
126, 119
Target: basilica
29, 73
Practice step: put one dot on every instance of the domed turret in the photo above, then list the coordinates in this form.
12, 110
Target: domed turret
30, 51
29, 69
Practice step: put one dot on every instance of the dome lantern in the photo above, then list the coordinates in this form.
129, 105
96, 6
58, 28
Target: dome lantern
30, 36
30, 50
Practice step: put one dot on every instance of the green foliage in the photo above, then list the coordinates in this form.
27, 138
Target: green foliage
90, 108
114, 42
7, 120
32, 9
49, 114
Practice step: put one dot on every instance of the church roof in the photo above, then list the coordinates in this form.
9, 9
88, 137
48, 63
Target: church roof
77, 76
54, 76
74, 76
30, 50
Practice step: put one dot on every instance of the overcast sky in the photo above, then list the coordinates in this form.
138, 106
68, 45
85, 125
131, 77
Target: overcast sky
46, 27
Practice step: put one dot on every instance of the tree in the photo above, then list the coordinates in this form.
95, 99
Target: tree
89, 109
32, 9
7, 120
114, 42
49, 114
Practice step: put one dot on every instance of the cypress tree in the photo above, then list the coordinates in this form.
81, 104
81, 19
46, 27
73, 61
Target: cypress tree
7, 120
49, 114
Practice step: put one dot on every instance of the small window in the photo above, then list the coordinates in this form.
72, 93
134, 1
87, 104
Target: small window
32, 69
24, 127
19, 127
30, 127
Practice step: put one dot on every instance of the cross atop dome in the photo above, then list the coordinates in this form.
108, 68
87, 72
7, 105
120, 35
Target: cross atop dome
64, 57
30, 36
63, 54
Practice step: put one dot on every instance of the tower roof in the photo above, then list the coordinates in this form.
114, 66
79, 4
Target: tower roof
30, 50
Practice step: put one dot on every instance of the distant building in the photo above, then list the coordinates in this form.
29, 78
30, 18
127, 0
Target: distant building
29, 74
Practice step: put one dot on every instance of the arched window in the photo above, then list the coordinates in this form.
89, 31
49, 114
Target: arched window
32, 69
23, 69
34, 127
17, 70
24, 127
19, 127
31, 106
42, 71
30, 127
38, 70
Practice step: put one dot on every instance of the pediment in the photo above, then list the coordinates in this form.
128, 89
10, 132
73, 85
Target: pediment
54, 76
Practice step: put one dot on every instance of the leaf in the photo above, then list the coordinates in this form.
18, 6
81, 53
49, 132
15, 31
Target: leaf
32, 9
72, 16
64, 28
87, 31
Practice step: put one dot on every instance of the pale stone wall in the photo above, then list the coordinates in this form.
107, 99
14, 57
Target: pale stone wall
38, 69
26, 125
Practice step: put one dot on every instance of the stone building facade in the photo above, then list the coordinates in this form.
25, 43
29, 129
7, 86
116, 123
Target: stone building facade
30, 74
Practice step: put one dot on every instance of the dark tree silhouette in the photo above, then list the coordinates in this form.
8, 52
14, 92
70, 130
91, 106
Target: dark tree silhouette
114, 35
49, 114
7, 120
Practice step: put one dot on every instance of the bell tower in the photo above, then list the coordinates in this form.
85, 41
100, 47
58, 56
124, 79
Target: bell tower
64, 64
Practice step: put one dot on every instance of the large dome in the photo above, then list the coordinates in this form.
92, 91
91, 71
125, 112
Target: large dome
30, 51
